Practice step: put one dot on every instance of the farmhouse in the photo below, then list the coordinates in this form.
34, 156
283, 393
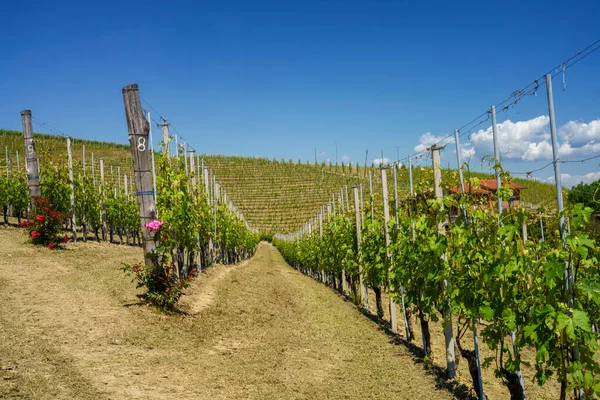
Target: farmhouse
486, 193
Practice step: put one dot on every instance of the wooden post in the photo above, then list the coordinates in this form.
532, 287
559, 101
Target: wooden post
185, 152
362, 206
344, 281
198, 173
358, 241
323, 278
333, 202
371, 193
103, 192
32, 170
386, 216
437, 170
215, 246
72, 184
127, 227
395, 165
83, 222
448, 330
18, 163
206, 185
83, 158
139, 129
347, 202
165, 133
93, 172
7, 162
193, 167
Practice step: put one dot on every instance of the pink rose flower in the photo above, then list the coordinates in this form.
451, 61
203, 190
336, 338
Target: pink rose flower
154, 225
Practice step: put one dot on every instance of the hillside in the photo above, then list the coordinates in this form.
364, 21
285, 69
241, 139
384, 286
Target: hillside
274, 195
256, 330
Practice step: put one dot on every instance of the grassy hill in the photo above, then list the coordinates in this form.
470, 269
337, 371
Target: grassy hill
274, 195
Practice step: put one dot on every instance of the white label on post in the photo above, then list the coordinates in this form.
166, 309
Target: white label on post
141, 144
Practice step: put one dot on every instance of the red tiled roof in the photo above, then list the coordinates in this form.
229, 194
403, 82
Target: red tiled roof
491, 184
486, 186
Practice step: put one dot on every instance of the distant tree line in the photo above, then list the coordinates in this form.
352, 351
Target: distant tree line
586, 193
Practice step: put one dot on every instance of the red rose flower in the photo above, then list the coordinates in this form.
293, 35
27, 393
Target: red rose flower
66, 238
35, 234
39, 218
46, 209
50, 246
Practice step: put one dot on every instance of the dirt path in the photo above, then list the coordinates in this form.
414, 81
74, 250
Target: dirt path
71, 327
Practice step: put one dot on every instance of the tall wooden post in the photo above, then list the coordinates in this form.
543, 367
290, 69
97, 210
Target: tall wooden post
72, 184
32, 170
185, 157
7, 161
371, 193
358, 242
193, 167
139, 129
448, 330
93, 172
165, 133
347, 202
206, 184
386, 215
103, 192
437, 170
395, 165
323, 278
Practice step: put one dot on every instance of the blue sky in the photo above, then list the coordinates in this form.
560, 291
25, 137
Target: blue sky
268, 78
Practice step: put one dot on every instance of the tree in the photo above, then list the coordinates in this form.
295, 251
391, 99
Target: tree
586, 193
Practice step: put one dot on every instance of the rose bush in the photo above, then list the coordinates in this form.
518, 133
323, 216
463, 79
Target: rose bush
45, 227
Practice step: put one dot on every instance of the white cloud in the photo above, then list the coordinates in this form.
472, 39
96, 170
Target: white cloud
580, 134
467, 152
529, 140
514, 139
346, 159
536, 151
379, 161
568, 180
426, 140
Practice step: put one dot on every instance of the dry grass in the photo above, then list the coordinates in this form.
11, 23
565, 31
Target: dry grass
71, 327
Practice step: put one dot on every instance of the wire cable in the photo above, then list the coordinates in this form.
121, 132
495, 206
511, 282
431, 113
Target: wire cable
580, 161
528, 173
518, 95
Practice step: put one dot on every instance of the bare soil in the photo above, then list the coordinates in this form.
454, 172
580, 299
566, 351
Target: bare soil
72, 327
